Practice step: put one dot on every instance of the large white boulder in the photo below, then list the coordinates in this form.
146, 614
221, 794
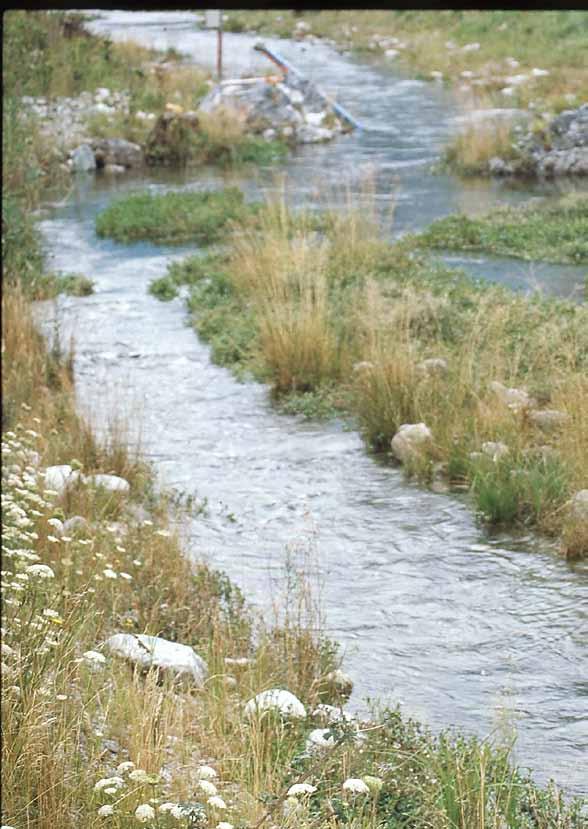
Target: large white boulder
410, 441
112, 483
155, 652
60, 477
278, 700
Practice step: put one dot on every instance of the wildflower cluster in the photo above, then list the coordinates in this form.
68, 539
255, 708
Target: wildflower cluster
137, 796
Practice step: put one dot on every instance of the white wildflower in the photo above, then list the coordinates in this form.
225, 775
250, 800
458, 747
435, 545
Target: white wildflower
356, 786
61, 697
216, 802
224, 825
106, 810
42, 571
206, 773
110, 574
144, 812
139, 776
51, 614
301, 788
167, 807
123, 768
109, 782
207, 787
52, 539
126, 576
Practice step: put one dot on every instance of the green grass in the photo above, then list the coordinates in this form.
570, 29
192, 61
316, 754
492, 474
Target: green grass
552, 40
542, 231
172, 218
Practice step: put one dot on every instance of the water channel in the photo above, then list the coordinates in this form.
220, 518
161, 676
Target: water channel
432, 613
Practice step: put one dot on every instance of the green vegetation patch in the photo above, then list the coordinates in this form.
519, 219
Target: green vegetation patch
172, 217
547, 232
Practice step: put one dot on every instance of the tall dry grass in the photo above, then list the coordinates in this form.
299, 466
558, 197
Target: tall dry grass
328, 294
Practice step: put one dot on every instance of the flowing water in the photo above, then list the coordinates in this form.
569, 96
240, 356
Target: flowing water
433, 614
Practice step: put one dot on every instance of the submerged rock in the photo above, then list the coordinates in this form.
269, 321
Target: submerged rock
117, 151
278, 700
154, 652
410, 441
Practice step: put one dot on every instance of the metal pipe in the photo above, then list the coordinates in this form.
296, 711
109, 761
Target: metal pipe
284, 65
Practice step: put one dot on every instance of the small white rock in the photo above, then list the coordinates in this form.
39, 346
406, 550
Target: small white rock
276, 699
410, 440
112, 483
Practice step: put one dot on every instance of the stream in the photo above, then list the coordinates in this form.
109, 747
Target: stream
487, 633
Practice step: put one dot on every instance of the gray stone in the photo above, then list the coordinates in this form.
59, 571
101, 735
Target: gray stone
579, 506
154, 652
549, 420
515, 399
433, 366
114, 169
335, 686
410, 440
83, 159
495, 449
117, 151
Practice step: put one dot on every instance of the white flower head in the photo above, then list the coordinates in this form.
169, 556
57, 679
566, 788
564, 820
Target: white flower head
106, 810
206, 773
355, 786
224, 825
139, 776
144, 812
301, 788
109, 782
216, 802
41, 571
208, 787
167, 806
123, 768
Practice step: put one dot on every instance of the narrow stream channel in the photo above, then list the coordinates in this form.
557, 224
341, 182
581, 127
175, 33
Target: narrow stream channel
455, 626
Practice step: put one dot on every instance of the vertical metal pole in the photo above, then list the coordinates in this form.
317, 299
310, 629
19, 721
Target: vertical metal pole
219, 49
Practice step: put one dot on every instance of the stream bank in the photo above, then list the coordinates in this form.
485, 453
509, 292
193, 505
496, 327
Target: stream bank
394, 541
